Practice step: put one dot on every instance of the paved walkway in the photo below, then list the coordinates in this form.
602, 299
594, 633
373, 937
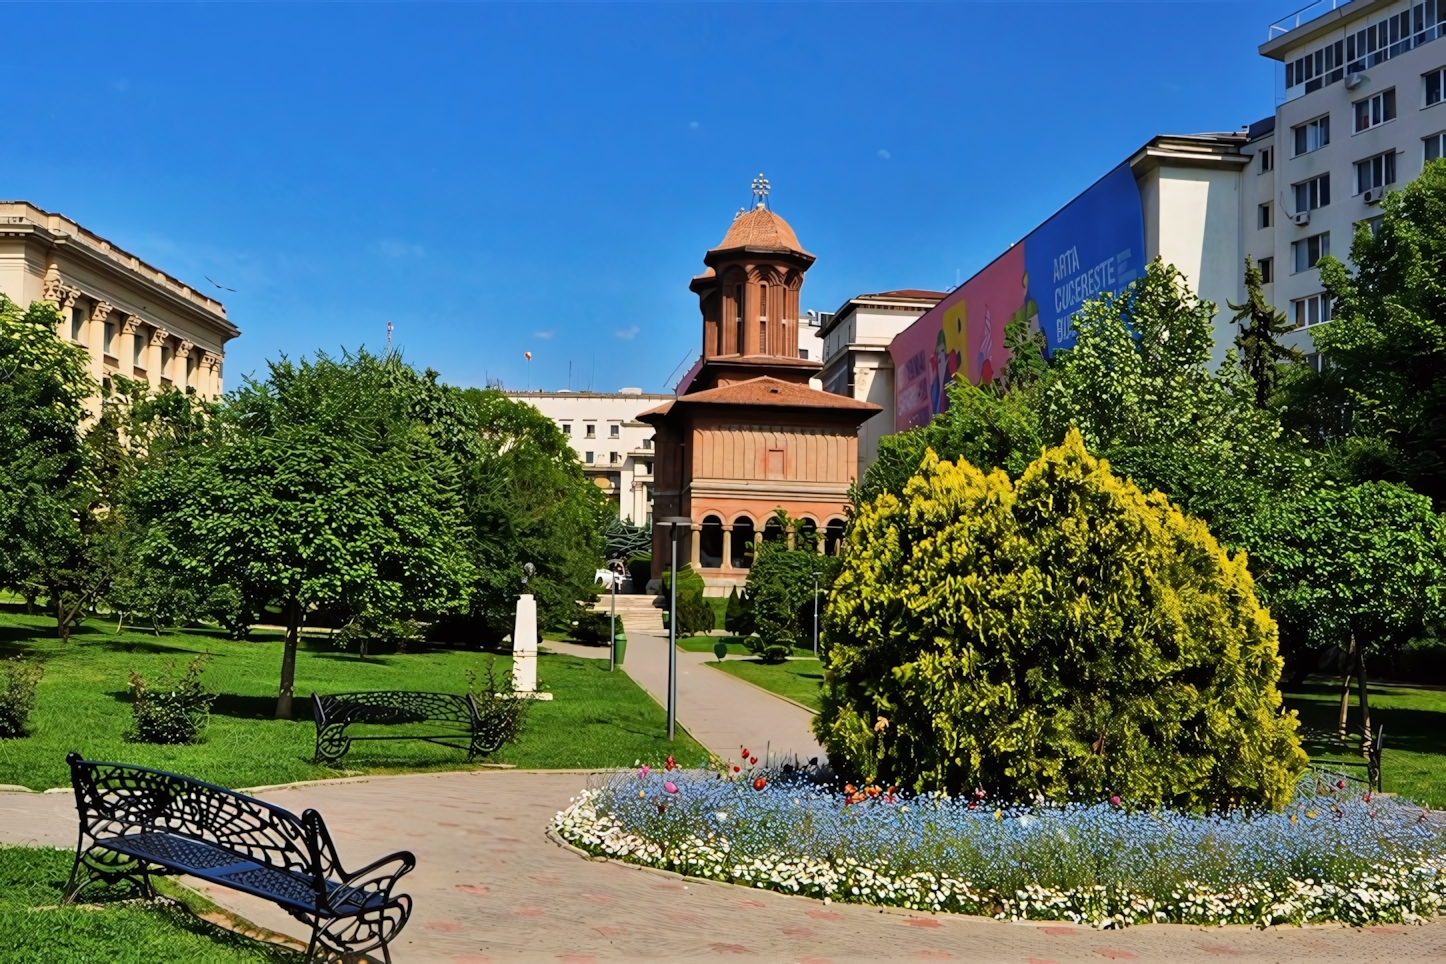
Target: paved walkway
721, 711
490, 887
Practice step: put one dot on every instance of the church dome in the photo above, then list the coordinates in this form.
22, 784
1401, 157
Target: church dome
760, 230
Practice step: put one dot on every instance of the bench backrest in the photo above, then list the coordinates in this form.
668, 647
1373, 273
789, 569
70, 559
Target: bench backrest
393, 706
115, 799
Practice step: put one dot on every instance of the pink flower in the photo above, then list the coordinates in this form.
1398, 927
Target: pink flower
644, 771
671, 787
1114, 801
1340, 784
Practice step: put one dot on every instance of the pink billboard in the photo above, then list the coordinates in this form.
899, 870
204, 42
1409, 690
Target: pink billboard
962, 335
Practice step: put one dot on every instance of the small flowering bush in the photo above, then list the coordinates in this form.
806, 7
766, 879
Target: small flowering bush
1331, 855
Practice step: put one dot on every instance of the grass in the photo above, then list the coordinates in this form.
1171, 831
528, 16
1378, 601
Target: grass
597, 718
550, 637
797, 679
1414, 761
129, 933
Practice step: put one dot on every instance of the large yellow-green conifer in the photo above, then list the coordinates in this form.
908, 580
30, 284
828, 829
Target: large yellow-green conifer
1066, 635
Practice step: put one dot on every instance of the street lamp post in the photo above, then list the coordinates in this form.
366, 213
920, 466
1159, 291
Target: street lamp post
673, 521
815, 614
616, 567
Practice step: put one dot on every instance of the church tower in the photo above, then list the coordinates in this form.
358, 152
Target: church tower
748, 436
749, 300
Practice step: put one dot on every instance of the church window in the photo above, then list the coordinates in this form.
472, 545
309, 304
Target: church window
763, 301
738, 319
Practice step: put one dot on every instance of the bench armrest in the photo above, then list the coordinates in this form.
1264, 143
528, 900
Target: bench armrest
376, 879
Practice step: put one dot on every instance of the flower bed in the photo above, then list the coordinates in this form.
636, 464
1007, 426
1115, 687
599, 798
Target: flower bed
1333, 855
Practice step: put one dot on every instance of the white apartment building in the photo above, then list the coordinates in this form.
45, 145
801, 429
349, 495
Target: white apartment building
856, 363
615, 449
1363, 88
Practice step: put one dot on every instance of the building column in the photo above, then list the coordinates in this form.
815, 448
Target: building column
179, 365
153, 357
727, 547
125, 347
750, 318
818, 541
694, 544
97, 345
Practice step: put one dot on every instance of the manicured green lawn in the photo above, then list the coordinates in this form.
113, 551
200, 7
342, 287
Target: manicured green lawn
116, 934
797, 679
1414, 761
597, 718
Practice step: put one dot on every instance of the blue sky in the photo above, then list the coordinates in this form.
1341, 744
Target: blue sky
495, 179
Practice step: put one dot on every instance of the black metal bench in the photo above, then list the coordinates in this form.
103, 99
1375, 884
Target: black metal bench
463, 726
136, 822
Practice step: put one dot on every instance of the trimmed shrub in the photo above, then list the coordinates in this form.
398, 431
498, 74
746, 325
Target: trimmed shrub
694, 614
367, 636
18, 679
1066, 636
738, 617
593, 628
780, 595
171, 710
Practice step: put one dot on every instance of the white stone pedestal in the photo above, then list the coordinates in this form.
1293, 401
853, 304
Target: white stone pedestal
524, 650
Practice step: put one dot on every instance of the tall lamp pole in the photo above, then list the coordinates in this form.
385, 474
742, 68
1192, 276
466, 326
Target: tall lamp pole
616, 567
673, 521
815, 614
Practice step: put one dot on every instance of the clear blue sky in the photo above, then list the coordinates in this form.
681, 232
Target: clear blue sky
496, 179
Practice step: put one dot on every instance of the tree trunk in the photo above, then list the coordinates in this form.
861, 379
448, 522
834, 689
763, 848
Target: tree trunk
1346, 687
62, 625
1365, 702
288, 660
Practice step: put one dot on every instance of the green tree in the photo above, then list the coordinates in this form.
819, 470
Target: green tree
526, 499
1384, 355
45, 492
1261, 352
1065, 635
780, 591
318, 486
1359, 567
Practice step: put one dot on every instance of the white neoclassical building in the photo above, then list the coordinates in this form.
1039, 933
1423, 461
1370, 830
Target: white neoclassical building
132, 318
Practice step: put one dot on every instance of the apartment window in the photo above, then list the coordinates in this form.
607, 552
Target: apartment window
1312, 194
1262, 216
78, 315
1313, 135
1433, 86
1376, 171
1267, 270
803, 353
1314, 310
1267, 159
587, 457
566, 428
1318, 68
109, 347
648, 442
614, 430
1374, 111
1313, 361
648, 468
1307, 252
1435, 146
590, 431
1373, 223
613, 458
138, 351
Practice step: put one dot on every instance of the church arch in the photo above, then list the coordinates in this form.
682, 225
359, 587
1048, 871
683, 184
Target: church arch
741, 544
710, 542
833, 537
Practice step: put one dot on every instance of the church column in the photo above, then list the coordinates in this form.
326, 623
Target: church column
727, 547
695, 540
180, 365
750, 319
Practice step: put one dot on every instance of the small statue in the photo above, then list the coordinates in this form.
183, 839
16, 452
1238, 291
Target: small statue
527, 570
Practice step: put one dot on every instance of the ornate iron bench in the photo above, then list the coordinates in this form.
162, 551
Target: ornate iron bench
136, 822
462, 726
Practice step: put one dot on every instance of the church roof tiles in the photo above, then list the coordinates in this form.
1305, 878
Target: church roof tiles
760, 229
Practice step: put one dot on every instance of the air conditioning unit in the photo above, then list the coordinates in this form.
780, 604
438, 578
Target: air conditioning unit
1354, 80
1374, 195
1300, 219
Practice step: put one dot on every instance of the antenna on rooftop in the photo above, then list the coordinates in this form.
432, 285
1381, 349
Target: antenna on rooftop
760, 191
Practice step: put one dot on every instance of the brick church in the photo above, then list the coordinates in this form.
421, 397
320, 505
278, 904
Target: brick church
749, 436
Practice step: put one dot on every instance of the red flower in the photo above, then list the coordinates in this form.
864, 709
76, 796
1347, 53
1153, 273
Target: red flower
1114, 801
1341, 784
671, 765
662, 808
737, 769
745, 752
760, 783
753, 761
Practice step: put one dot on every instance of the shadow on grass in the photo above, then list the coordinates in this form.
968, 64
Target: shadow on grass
1413, 730
240, 707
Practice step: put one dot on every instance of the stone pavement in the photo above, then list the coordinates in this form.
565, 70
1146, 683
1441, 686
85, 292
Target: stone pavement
721, 711
490, 887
